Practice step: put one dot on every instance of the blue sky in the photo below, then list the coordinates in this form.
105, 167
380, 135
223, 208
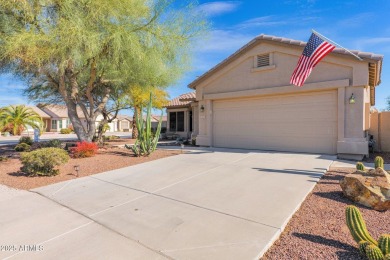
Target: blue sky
360, 25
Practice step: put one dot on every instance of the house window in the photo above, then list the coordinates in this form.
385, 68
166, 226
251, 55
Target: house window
53, 124
263, 60
176, 121
60, 123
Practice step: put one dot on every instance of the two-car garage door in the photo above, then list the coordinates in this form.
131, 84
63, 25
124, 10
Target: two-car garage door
298, 123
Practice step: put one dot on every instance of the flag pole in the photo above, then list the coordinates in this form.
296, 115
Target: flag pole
327, 39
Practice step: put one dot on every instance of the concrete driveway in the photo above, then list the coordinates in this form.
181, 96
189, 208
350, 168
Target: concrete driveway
212, 204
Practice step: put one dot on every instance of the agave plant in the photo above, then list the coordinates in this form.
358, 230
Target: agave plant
146, 142
17, 118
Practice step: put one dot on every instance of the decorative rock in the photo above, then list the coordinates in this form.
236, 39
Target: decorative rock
371, 188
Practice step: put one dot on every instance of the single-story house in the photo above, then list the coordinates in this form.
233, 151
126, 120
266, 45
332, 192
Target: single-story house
182, 115
58, 118
246, 101
124, 123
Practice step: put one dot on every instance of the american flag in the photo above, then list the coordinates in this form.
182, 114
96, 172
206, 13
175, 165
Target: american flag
316, 49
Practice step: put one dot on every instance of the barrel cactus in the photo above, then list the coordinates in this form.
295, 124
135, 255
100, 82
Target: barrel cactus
362, 247
384, 244
379, 162
357, 226
360, 166
374, 253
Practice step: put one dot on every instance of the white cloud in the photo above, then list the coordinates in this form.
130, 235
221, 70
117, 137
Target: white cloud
223, 41
218, 8
355, 21
261, 22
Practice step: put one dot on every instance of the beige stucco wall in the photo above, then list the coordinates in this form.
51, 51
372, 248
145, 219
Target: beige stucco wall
240, 79
380, 129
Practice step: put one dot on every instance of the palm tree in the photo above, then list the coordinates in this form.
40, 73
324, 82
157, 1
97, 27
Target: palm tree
17, 118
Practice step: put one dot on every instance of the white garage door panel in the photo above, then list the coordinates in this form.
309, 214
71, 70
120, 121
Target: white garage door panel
300, 123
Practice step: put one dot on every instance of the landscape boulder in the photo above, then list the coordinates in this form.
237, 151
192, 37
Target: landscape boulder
370, 188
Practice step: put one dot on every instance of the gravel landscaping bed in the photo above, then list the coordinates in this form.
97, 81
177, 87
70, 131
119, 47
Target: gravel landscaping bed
318, 230
106, 160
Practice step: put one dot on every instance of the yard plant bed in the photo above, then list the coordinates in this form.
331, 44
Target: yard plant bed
318, 230
107, 159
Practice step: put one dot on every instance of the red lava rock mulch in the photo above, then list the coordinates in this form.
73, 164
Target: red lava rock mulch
105, 160
318, 230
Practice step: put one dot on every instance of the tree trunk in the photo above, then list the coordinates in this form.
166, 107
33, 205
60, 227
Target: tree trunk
134, 133
76, 122
99, 137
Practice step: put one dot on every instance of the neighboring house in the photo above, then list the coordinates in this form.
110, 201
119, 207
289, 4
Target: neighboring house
45, 117
124, 123
58, 118
246, 101
182, 115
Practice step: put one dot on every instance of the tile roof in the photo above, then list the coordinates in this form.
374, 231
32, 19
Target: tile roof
182, 100
123, 117
263, 37
39, 111
59, 111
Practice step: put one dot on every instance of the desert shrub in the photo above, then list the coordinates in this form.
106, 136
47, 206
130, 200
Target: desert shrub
54, 143
22, 147
110, 137
84, 149
43, 161
26, 139
3, 158
66, 131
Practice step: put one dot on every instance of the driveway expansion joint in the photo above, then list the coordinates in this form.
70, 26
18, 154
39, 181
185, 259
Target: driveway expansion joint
100, 224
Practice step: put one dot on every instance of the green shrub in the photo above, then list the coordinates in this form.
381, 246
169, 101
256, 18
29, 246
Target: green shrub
26, 139
54, 143
65, 131
22, 147
42, 161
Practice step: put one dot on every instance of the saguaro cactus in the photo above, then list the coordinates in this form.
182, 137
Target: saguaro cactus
379, 162
357, 226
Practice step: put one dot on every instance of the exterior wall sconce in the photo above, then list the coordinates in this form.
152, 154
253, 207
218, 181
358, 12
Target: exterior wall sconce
352, 99
201, 108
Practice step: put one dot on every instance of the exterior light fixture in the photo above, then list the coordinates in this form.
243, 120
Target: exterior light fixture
352, 99
77, 169
201, 108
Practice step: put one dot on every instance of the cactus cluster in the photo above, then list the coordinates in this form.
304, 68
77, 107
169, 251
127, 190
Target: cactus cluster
360, 166
146, 141
384, 244
379, 163
372, 249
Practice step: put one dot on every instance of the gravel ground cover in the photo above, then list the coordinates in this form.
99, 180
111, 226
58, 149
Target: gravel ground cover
318, 229
107, 159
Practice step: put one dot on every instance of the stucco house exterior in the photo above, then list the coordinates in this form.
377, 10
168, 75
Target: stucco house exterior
246, 101
182, 115
58, 118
